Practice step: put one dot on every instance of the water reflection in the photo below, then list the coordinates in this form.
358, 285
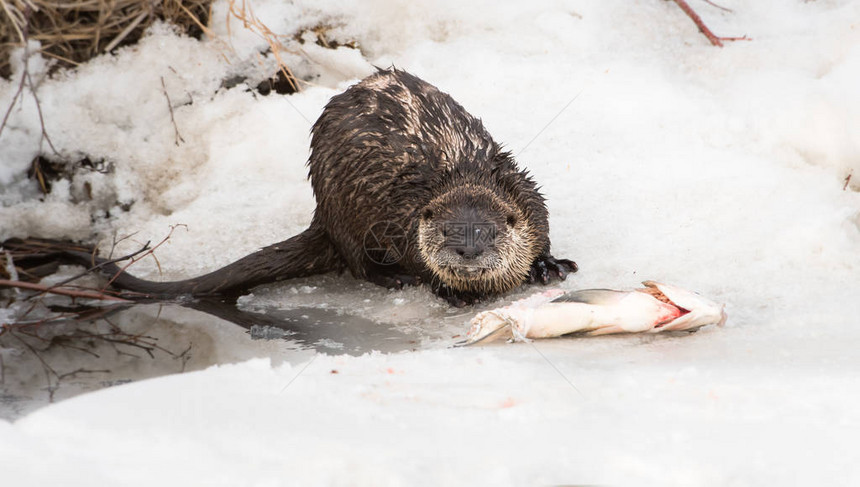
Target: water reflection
324, 330
52, 349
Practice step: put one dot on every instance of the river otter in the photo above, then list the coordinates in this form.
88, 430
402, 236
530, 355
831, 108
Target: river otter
410, 188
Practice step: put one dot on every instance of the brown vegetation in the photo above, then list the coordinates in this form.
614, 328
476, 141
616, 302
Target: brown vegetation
73, 31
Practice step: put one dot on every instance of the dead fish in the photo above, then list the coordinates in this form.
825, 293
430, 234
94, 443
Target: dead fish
657, 307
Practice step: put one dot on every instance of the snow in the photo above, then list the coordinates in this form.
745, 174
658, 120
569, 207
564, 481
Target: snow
661, 157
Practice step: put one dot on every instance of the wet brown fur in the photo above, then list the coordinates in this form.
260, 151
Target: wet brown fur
394, 148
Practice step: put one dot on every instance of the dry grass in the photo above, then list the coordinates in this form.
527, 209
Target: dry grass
73, 31
242, 11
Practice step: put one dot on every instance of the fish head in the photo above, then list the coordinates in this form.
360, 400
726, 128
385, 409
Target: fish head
698, 310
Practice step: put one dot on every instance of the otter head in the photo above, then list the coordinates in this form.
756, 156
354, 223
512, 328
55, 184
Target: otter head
474, 241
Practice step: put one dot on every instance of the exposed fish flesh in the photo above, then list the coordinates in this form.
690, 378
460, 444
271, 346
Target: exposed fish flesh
656, 308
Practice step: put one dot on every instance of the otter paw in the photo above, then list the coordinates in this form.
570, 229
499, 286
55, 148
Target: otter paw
547, 267
407, 280
457, 299
395, 281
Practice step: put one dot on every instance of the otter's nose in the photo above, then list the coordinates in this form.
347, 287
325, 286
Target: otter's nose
469, 252
469, 240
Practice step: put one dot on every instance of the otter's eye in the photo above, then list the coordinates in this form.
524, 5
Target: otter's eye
511, 220
428, 214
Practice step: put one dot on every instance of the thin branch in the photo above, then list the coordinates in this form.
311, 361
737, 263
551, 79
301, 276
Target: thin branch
13, 102
115, 242
146, 347
24, 33
83, 371
62, 344
184, 357
87, 314
61, 291
133, 260
177, 137
715, 40
46, 368
724, 9
39, 110
100, 265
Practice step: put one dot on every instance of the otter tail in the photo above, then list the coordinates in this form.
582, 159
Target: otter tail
308, 253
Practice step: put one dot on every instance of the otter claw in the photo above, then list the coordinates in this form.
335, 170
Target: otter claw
456, 299
563, 267
538, 272
407, 280
394, 281
543, 272
547, 267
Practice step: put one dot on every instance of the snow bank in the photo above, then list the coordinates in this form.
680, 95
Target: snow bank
646, 412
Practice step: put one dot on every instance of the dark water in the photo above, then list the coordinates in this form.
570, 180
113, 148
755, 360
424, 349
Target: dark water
56, 349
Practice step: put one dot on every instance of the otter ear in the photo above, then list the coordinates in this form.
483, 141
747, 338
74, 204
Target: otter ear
511, 220
427, 214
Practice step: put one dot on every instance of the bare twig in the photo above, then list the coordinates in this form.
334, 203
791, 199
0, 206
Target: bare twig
100, 265
12, 103
185, 356
250, 21
177, 137
23, 34
46, 368
715, 40
115, 242
62, 291
26, 77
847, 180
82, 371
95, 264
144, 255
724, 9
63, 343
87, 313
128, 340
